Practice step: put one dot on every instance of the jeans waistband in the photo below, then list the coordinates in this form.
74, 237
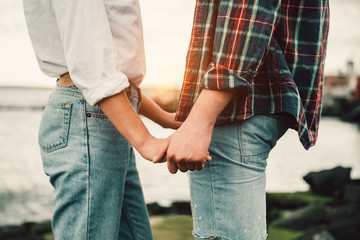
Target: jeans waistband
69, 91
133, 93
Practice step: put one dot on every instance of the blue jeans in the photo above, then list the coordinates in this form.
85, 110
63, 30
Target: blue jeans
228, 195
97, 192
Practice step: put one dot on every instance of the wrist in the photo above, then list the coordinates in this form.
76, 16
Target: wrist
141, 140
163, 118
202, 117
209, 106
166, 119
203, 125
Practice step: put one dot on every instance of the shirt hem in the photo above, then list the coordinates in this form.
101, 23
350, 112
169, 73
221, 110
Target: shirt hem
106, 88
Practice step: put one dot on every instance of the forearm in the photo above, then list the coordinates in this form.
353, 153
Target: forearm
208, 107
120, 112
154, 112
151, 110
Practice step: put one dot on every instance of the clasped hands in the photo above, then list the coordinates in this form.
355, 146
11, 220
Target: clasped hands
186, 149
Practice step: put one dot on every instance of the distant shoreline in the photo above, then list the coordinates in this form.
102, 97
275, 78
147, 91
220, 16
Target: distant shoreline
21, 108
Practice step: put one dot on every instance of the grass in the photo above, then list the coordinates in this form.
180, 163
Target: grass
283, 234
179, 227
297, 199
48, 236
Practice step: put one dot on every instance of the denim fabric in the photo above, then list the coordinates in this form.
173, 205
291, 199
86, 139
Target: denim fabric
228, 195
97, 192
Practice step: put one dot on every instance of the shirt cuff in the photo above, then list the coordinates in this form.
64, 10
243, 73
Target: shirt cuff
106, 88
218, 77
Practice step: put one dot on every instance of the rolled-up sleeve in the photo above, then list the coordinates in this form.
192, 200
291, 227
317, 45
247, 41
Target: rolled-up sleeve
242, 36
89, 48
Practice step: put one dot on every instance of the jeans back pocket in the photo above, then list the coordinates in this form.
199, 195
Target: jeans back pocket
54, 127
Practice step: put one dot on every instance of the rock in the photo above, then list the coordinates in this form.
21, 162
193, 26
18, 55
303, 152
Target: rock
351, 192
328, 182
345, 222
283, 202
323, 235
346, 228
156, 209
25, 231
344, 212
303, 219
316, 234
42, 228
14, 232
181, 207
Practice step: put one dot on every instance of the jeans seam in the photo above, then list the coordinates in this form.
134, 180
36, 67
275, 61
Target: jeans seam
129, 220
86, 133
213, 197
212, 237
240, 142
124, 206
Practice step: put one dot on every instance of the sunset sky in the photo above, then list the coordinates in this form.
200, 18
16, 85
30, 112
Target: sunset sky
167, 26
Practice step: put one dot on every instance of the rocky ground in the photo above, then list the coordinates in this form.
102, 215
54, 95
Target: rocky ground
330, 211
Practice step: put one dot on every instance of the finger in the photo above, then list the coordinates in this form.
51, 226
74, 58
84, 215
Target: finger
199, 166
182, 166
208, 158
160, 155
162, 160
172, 167
191, 166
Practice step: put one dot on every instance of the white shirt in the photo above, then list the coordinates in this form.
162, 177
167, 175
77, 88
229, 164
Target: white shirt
99, 42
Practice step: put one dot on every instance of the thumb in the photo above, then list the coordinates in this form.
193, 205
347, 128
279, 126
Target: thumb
172, 167
160, 155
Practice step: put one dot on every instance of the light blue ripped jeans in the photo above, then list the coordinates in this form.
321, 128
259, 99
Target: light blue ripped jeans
228, 195
97, 192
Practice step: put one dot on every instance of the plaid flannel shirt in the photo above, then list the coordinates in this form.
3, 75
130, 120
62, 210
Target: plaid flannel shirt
272, 51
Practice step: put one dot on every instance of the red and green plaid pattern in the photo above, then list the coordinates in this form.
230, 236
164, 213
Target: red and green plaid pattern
273, 52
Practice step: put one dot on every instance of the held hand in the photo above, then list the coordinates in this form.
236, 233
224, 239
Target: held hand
160, 155
187, 149
151, 149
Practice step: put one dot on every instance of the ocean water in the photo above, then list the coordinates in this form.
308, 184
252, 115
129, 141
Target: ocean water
25, 192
